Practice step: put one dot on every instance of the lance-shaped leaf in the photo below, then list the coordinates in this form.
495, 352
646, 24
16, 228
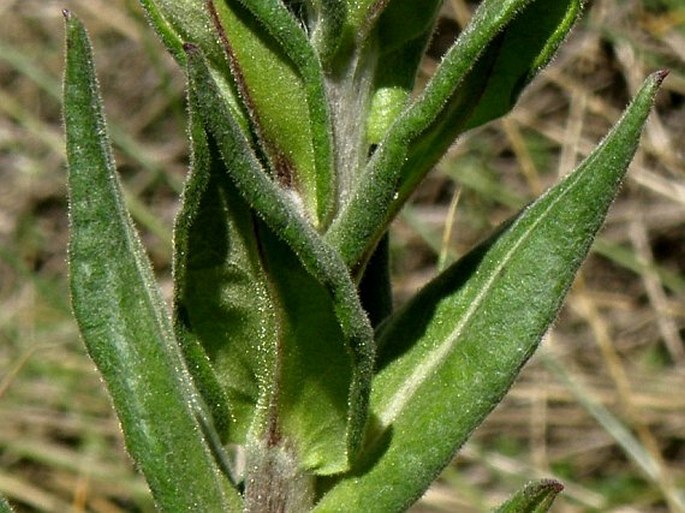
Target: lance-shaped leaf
178, 21
449, 356
403, 31
281, 86
122, 316
276, 208
223, 312
536, 497
499, 52
260, 331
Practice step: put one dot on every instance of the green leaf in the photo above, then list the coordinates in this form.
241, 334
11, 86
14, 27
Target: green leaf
281, 216
315, 367
287, 31
492, 87
260, 331
404, 29
500, 51
536, 497
281, 86
180, 21
328, 24
122, 316
222, 309
447, 358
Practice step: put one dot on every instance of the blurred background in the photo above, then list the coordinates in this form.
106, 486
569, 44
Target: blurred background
601, 407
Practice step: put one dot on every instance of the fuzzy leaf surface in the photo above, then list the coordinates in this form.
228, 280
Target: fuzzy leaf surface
536, 497
275, 207
500, 51
260, 331
447, 358
121, 314
179, 21
403, 31
223, 313
315, 369
286, 30
287, 110
329, 16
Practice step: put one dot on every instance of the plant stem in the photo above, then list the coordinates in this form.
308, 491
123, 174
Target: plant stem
274, 483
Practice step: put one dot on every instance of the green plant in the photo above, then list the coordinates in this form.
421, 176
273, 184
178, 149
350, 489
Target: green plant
284, 381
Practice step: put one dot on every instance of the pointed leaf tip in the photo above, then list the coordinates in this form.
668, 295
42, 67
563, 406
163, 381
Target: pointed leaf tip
661, 75
535, 497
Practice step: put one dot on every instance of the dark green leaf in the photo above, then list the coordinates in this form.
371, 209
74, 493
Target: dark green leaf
275, 207
449, 356
536, 497
223, 312
122, 316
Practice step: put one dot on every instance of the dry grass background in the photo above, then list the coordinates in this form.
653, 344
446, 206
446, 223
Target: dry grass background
601, 406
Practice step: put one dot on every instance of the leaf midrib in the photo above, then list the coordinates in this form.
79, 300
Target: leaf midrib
418, 377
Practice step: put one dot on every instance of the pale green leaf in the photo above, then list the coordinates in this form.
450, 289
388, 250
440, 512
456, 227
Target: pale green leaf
280, 101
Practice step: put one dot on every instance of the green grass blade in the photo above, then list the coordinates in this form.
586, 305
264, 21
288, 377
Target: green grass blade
281, 215
122, 316
536, 497
449, 356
